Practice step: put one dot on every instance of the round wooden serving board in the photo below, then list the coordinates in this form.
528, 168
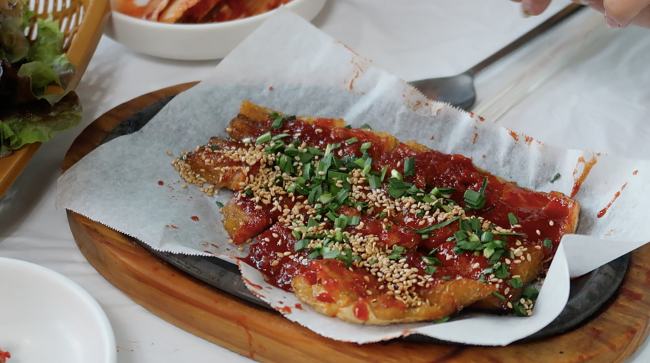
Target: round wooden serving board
611, 336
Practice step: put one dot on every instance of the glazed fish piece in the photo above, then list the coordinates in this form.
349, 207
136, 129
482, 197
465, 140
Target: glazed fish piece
372, 230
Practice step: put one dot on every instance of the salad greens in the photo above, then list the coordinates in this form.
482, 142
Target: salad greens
28, 113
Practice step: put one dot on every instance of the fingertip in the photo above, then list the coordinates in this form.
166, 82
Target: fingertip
613, 23
534, 7
620, 13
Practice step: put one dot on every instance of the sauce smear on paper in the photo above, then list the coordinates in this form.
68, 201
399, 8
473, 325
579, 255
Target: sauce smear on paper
604, 210
577, 181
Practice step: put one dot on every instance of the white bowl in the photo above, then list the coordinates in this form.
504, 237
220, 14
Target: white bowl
45, 317
194, 41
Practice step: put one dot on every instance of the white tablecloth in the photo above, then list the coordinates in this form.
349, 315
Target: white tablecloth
599, 102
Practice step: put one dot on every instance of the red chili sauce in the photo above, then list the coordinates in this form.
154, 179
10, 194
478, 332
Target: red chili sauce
540, 215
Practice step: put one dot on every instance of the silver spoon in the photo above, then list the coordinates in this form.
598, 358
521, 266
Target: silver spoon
459, 90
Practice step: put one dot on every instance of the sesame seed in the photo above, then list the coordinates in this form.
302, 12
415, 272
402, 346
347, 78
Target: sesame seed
551, 223
275, 263
170, 153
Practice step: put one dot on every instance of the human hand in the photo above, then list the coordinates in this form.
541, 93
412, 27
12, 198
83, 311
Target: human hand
618, 13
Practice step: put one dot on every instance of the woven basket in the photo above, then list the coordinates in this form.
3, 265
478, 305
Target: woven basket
82, 22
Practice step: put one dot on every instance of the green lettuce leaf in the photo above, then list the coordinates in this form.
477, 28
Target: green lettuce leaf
39, 124
27, 114
48, 64
41, 75
14, 46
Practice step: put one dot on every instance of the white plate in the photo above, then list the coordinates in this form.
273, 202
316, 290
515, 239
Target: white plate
45, 317
194, 41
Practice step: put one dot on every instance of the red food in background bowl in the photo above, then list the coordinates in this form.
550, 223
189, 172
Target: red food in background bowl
195, 41
4, 356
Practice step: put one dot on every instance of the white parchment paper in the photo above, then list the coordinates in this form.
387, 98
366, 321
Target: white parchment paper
290, 66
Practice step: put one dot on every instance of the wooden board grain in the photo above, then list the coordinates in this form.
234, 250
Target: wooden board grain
610, 337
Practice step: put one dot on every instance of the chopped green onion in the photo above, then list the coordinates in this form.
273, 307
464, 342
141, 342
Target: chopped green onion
501, 272
365, 146
365, 127
446, 277
331, 254
374, 182
263, 138
409, 166
396, 192
395, 174
512, 219
487, 236
499, 296
430, 270
341, 196
354, 221
397, 253
556, 177
520, 310
314, 151
331, 216
351, 141
430, 260
296, 234
428, 199
442, 192
516, 283
292, 188
328, 149
301, 245
496, 256
548, 243
314, 195
530, 293
441, 320
476, 200
435, 226
510, 234
214, 148
341, 222
281, 136
278, 120
383, 173
219, 204
325, 198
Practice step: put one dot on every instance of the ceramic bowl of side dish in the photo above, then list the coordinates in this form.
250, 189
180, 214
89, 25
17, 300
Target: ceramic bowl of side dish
194, 29
46, 317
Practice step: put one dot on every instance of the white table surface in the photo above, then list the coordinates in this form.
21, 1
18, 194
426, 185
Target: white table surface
599, 102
